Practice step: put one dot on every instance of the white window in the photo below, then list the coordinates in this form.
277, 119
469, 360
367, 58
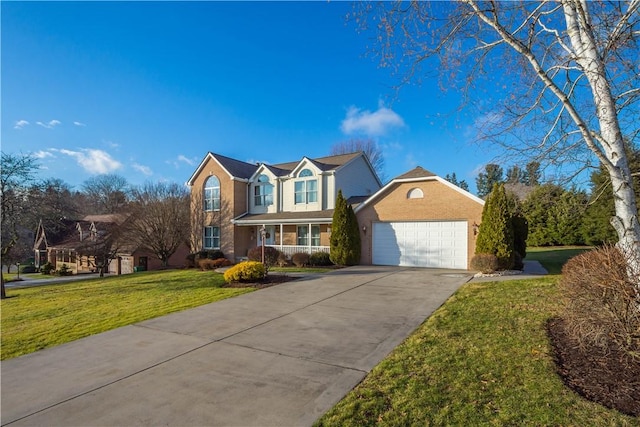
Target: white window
306, 189
415, 193
212, 194
303, 235
211, 238
263, 192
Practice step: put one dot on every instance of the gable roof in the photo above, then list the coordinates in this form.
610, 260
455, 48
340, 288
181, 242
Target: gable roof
243, 170
234, 168
417, 174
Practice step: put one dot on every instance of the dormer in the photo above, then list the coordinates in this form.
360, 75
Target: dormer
304, 187
263, 191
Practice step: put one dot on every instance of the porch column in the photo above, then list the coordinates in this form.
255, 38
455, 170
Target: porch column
281, 235
309, 237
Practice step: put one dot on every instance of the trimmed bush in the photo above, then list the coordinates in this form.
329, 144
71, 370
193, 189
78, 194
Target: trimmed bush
282, 260
601, 302
64, 271
221, 262
300, 259
212, 264
209, 254
47, 268
248, 271
215, 254
205, 264
191, 260
320, 259
28, 269
485, 263
271, 256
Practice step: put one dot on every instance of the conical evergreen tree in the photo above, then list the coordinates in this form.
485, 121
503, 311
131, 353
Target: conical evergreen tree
496, 230
345, 234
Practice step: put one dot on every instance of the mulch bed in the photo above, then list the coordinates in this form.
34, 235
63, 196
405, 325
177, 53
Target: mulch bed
270, 280
607, 376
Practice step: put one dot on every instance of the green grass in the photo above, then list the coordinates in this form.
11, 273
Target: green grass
553, 258
45, 316
483, 358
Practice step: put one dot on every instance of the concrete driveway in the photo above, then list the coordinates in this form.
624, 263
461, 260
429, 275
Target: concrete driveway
280, 356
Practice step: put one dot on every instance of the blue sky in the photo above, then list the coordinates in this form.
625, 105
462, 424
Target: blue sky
146, 89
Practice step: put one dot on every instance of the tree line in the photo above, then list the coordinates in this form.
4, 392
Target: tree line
155, 215
559, 215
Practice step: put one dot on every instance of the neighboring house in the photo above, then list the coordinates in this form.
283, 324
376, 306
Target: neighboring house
232, 201
419, 219
79, 245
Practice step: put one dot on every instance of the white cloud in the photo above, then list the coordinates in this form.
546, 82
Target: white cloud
79, 124
145, 170
483, 125
370, 123
94, 161
185, 159
50, 125
42, 154
20, 124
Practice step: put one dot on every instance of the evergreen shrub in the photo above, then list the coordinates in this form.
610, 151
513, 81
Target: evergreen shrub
496, 230
320, 259
345, 234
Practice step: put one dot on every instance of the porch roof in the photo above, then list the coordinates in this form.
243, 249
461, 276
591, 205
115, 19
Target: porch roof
312, 217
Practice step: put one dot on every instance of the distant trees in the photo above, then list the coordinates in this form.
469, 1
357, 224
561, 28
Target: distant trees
486, 180
345, 234
106, 194
454, 180
555, 215
369, 147
160, 219
17, 175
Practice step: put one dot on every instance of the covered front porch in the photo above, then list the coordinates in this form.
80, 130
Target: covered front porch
290, 233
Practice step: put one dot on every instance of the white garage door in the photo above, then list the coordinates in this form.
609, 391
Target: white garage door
436, 244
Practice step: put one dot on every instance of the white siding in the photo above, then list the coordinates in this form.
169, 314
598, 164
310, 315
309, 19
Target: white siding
355, 179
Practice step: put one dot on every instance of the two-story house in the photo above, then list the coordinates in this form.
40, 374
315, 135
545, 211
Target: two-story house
233, 201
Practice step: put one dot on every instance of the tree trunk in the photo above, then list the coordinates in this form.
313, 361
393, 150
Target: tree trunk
3, 293
613, 154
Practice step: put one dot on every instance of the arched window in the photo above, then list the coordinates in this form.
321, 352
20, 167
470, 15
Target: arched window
212, 194
263, 192
415, 193
306, 187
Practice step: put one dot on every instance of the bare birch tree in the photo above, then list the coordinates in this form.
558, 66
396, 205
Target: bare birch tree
557, 81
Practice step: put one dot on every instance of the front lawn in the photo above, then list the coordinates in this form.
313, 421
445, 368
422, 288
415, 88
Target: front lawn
483, 358
553, 258
45, 316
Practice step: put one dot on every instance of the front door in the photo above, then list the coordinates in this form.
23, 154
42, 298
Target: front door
270, 236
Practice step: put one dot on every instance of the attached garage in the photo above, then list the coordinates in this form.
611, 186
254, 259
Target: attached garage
419, 220
434, 244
